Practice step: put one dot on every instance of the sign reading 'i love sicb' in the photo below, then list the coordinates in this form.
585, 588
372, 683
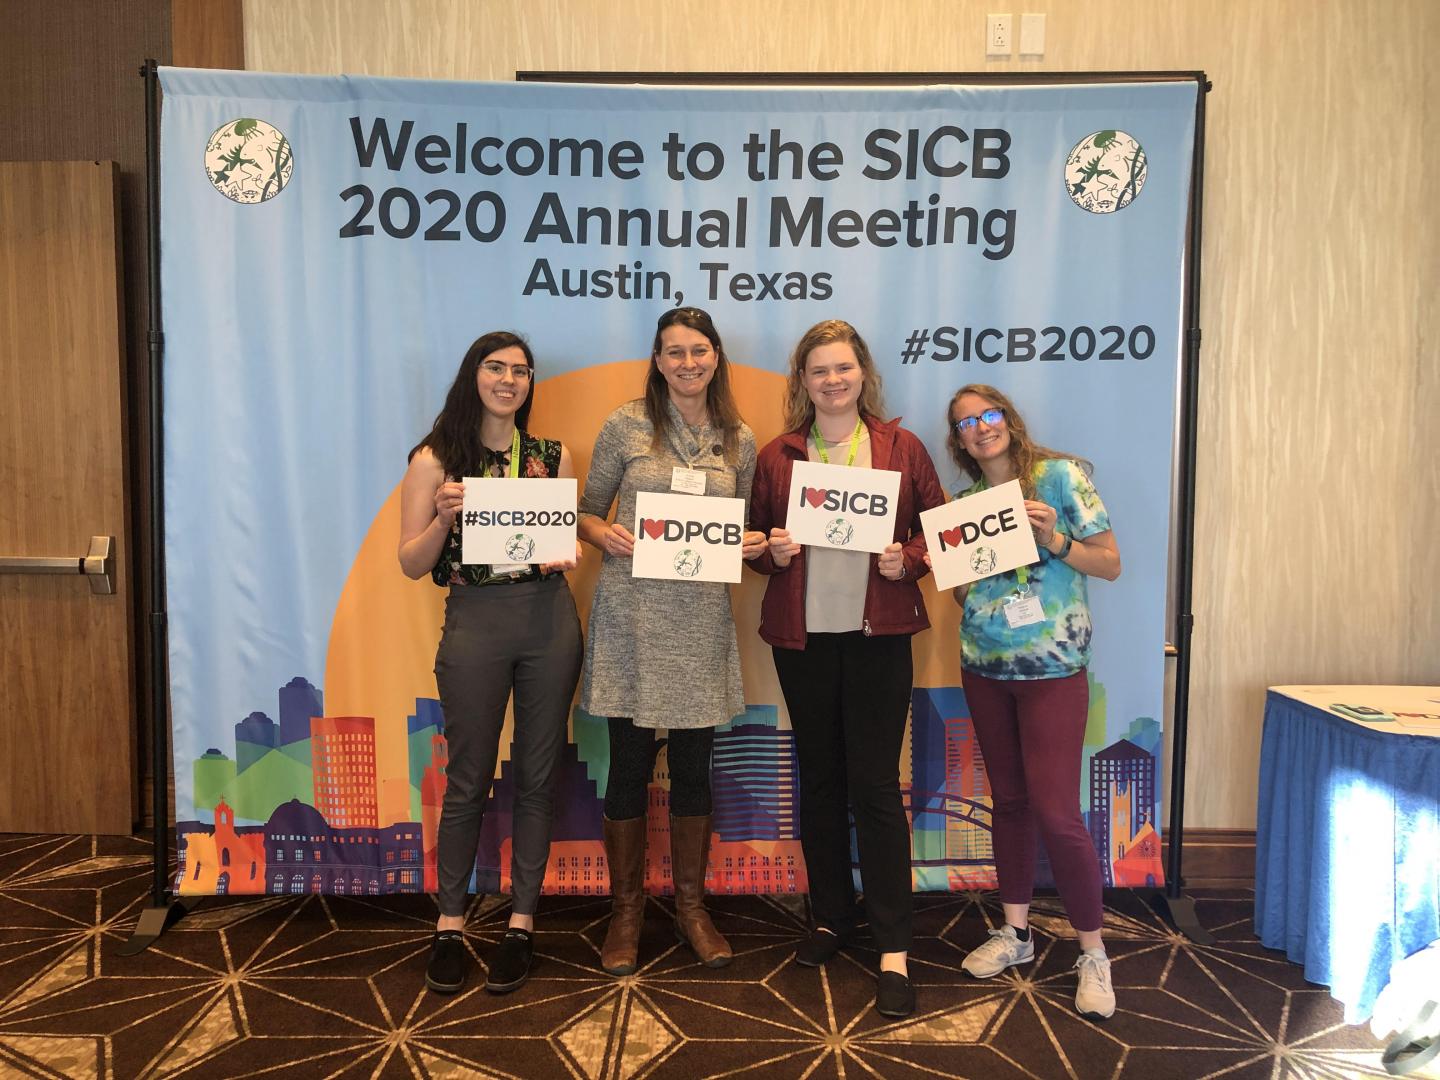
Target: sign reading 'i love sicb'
842, 507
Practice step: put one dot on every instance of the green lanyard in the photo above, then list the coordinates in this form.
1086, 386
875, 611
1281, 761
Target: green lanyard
515, 454
854, 442
1022, 573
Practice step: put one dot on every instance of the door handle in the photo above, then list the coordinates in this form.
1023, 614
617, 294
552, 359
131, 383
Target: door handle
98, 565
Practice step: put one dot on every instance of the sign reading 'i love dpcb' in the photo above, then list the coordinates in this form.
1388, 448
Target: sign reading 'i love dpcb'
980, 535
842, 507
687, 537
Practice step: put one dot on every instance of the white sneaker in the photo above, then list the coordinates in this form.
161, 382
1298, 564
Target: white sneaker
1094, 997
1003, 950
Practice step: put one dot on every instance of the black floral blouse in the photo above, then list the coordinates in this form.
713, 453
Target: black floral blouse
540, 459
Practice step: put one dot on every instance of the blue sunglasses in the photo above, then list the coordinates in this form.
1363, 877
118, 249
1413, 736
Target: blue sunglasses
992, 418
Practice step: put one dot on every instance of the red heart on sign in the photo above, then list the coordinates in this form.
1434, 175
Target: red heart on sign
814, 496
652, 528
950, 537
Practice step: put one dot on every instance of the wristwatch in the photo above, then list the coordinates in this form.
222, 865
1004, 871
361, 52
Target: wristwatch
1064, 548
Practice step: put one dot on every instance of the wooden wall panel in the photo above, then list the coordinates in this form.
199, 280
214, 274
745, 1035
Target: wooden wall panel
1319, 492
207, 33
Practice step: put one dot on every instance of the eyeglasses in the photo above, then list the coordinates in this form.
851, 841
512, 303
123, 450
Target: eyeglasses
992, 418
496, 370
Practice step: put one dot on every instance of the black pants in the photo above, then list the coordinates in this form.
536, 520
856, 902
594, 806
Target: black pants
632, 762
498, 637
848, 697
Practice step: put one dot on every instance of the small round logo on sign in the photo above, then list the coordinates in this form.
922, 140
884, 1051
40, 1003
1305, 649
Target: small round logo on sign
1105, 172
248, 160
839, 532
687, 563
519, 548
983, 560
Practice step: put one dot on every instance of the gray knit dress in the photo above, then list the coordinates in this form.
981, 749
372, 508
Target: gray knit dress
662, 653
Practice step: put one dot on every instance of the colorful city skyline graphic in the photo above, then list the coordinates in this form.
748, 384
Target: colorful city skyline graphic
307, 804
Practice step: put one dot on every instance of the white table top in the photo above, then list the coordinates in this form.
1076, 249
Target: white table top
1399, 710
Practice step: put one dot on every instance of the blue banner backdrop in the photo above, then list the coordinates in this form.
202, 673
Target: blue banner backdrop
332, 245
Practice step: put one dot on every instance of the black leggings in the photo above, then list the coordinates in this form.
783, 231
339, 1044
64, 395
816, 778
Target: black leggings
632, 762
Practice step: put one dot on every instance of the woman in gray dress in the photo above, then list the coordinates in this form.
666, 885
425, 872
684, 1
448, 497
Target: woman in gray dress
662, 654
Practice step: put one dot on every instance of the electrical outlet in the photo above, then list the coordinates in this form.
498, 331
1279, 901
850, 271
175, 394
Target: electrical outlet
997, 34
1032, 35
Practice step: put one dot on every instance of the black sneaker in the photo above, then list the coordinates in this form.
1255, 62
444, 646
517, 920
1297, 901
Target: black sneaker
449, 961
894, 996
509, 964
819, 947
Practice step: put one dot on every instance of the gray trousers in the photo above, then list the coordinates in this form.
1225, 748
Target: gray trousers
499, 637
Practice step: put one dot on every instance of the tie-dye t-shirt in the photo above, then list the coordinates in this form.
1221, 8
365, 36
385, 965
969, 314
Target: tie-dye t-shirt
1059, 645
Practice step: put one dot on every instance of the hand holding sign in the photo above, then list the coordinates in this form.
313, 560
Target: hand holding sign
980, 535
891, 564
782, 547
1042, 520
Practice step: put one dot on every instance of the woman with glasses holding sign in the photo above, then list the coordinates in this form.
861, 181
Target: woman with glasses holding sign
506, 627
662, 654
1024, 648
840, 624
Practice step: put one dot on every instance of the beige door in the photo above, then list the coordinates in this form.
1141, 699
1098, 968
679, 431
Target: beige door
67, 711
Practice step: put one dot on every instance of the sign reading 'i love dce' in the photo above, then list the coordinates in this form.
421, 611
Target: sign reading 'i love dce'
980, 535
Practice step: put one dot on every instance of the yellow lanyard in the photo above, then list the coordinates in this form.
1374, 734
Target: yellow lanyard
515, 454
854, 442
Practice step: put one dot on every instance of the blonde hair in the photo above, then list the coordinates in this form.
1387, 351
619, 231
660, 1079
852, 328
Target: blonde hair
1025, 453
799, 409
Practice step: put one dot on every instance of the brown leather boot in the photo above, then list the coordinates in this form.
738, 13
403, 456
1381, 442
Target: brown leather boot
689, 853
625, 852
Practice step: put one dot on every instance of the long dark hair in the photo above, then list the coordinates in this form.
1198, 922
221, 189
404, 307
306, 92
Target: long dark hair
455, 437
719, 399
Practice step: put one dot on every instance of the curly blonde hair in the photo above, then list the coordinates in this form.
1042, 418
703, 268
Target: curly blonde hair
1025, 453
799, 409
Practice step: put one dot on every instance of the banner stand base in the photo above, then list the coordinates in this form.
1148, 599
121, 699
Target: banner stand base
1179, 912
154, 921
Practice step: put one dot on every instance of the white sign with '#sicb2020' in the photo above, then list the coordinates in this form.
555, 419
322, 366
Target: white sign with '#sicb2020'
518, 520
687, 537
841, 506
979, 535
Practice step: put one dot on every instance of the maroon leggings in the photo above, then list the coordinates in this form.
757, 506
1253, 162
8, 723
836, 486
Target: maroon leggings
1032, 733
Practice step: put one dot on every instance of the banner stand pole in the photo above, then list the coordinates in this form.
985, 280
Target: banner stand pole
165, 909
1171, 903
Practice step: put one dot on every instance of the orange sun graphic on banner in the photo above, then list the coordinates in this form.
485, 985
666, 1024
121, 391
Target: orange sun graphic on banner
386, 627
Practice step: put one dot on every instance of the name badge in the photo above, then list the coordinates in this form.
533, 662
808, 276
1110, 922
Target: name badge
1024, 611
687, 481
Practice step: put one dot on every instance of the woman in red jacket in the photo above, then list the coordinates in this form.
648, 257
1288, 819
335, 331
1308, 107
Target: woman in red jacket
840, 624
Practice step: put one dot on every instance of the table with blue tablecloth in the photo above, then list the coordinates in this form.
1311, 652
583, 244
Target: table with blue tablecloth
1347, 840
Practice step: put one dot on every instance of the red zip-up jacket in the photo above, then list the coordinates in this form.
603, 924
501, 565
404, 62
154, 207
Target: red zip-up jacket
891, 607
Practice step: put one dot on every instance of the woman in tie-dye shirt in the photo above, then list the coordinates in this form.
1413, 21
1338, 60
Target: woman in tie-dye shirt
1025, 681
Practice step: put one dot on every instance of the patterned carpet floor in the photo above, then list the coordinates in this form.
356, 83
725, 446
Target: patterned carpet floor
314, 986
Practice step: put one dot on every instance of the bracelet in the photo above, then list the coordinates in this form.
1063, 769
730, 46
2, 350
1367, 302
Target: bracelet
1064, 548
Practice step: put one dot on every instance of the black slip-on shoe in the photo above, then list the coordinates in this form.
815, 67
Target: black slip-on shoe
894, 996
818, 947
449, 960
509, 964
